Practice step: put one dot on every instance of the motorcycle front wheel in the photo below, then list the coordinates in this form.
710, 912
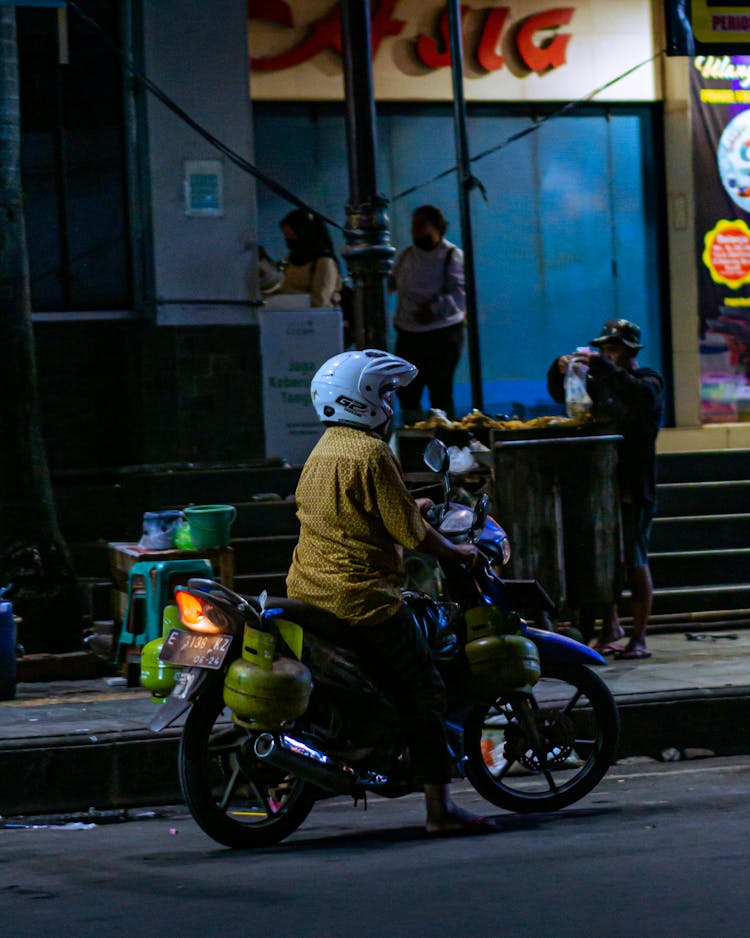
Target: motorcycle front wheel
235, 799
545, 751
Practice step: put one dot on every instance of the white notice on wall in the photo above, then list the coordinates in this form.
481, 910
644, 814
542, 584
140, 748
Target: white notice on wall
204, 188
293, 345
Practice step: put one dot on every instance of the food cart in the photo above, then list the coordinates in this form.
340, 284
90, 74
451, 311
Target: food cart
553, 482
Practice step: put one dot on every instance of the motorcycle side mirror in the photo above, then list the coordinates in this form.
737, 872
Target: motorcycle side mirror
481, 511
436, 458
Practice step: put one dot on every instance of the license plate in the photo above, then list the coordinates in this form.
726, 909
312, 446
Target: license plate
195, 651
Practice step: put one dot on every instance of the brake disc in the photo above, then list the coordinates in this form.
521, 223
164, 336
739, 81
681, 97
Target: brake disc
557, 732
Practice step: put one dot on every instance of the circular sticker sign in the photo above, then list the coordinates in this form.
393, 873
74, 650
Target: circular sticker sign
733, 158
727, 253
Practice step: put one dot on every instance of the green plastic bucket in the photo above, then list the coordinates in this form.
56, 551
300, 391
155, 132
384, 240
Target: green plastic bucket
210, 524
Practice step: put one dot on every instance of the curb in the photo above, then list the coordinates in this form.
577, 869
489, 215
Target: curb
717, 720
137, 769
67, 773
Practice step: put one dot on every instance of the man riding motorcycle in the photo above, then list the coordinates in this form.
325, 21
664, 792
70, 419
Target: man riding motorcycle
356, 516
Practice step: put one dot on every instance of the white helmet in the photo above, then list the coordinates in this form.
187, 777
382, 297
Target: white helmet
354, 388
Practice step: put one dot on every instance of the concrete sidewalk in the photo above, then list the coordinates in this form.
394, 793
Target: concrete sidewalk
74, 745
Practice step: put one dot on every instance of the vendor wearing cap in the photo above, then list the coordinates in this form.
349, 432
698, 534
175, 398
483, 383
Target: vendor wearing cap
632, 398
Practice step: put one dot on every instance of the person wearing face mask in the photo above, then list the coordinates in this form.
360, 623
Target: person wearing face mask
632, 398
428, 278
311, 265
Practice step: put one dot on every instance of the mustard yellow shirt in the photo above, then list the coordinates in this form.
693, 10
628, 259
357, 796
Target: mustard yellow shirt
355, 515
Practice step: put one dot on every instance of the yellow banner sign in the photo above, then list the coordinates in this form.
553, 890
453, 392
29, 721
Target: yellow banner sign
721, 23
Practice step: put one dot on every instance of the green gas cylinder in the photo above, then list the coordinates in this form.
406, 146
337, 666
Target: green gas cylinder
156, 675
264, 691
502, 663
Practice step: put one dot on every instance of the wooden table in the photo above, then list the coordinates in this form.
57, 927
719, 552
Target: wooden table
123, 555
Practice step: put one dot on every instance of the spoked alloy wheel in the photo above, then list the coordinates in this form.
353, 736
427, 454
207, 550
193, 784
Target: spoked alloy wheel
547, 752
235, 799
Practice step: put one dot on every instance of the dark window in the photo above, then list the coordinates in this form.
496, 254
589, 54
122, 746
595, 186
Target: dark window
73, 161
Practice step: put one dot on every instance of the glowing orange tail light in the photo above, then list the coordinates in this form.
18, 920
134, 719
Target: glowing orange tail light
191, 613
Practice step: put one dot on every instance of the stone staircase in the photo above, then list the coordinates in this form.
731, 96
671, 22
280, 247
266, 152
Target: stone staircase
97, 508
700, 552
700, 544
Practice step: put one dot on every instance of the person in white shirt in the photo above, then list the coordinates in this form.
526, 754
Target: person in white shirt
428, 277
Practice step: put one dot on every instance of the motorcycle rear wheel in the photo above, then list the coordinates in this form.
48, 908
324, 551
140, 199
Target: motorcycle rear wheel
574, 716
235, 800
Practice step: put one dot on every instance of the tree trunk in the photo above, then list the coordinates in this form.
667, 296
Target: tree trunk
33, 555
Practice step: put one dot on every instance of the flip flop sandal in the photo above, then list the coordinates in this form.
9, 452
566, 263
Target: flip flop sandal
634, 654
609, 649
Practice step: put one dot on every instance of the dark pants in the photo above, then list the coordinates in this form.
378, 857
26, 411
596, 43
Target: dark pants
436, 354
399, 657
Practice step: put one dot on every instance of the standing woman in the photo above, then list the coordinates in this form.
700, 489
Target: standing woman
311, 265
428, 277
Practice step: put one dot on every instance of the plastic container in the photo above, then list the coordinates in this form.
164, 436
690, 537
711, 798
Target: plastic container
182, 538
577, 400
210, 525
7, 651
159, 529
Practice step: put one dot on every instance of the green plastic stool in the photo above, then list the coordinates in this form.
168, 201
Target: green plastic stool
150, 582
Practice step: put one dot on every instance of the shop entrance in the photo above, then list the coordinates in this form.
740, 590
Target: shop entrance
571, 233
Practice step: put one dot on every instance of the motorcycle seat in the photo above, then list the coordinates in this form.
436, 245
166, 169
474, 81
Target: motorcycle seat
321, 623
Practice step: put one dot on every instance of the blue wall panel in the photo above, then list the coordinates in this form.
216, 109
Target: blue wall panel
567, 238
636, 220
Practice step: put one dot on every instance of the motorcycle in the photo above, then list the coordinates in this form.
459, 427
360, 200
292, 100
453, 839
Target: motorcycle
283, 713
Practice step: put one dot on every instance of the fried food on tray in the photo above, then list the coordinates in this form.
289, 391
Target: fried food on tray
476, 420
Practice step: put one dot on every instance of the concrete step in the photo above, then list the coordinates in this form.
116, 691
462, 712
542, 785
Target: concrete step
257, 555
226, 486
110, 506
704, 466
696, 567
254, 583
700, 532
731, 598
682, 499
97, 510
265, 518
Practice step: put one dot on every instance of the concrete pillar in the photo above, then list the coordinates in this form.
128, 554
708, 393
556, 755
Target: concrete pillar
197, 54
682, 256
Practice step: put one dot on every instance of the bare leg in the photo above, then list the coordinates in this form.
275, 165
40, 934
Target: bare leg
443, 816
611, 629
642, 590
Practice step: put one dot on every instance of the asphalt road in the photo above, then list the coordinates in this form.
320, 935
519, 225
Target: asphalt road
660, 849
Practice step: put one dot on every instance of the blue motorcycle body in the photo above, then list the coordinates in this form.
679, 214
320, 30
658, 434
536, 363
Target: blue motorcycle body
553, 648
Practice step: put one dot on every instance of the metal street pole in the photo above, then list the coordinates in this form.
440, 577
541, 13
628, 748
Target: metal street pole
465, 184
368, 252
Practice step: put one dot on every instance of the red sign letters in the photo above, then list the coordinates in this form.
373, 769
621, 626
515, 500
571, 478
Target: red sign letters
325, 33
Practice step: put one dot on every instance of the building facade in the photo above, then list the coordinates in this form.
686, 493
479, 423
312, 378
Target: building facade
143, 233
569, 224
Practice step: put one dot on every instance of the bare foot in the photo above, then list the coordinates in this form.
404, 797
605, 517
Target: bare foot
608, 637
454, 820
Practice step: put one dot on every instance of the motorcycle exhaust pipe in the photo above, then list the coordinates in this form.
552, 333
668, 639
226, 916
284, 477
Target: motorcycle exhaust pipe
293, 756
